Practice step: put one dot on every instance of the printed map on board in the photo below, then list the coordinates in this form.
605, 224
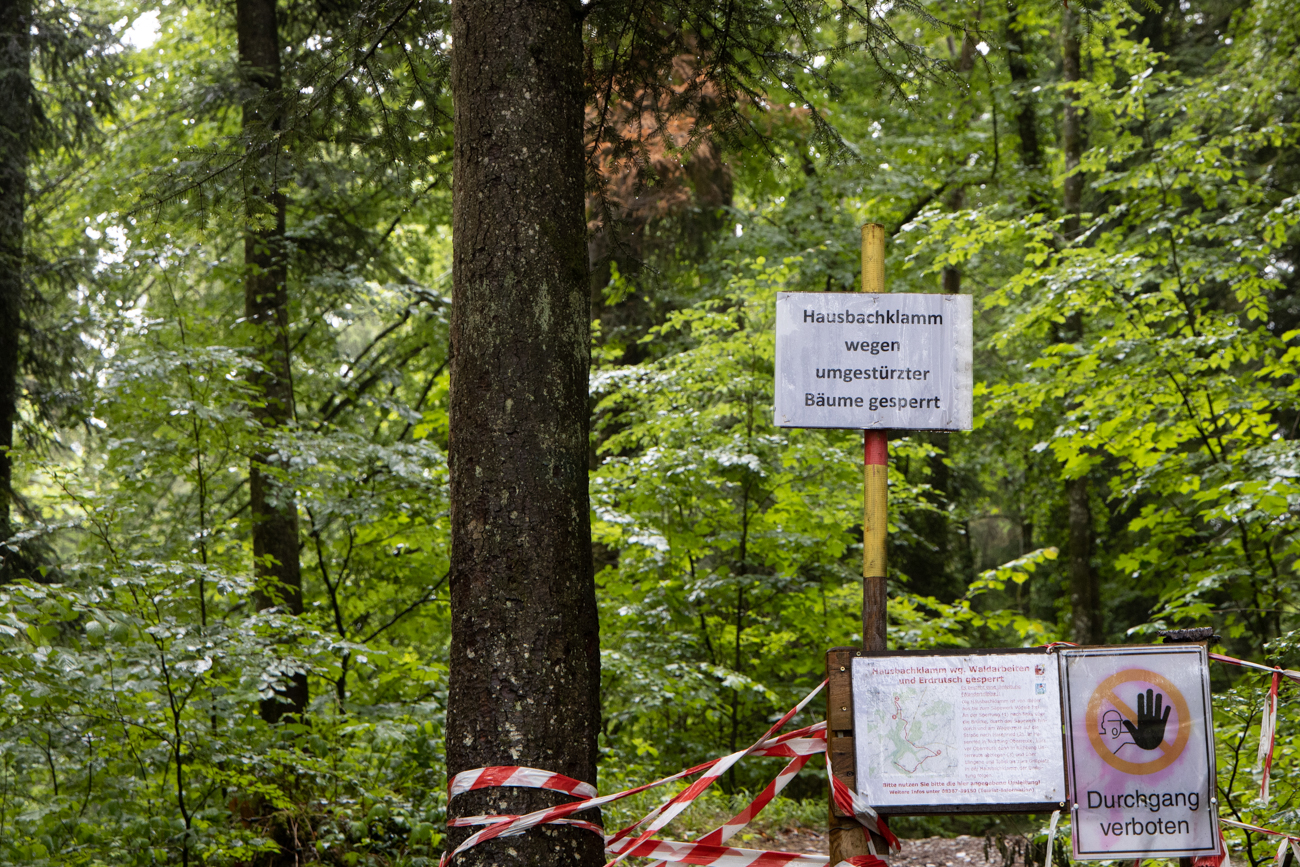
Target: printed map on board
918, 729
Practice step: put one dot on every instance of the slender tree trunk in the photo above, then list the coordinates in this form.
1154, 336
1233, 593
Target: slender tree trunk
272, 504
1085, 590
927, 565
1071, 124
1151, 25
1021, 74
945, 582
1085, 586
15, 139
525, 653
950, 277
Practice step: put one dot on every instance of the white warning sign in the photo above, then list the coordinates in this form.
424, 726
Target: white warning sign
850, 360
1140, 752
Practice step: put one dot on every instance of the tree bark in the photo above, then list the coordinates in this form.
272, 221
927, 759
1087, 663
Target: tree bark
15, 139
1021, 73
1085, 590
273, 507
1151, 23
927, 564
525, 654
1071, 124
1085, 586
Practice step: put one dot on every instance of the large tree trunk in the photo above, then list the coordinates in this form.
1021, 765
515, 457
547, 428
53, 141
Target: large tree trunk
1085, 586
525, 655
15, 138
272, 505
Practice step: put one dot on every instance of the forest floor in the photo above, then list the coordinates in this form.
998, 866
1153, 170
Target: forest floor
960, 851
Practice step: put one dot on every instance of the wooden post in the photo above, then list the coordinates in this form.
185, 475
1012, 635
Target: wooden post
873, 259
875, 455
846, 837
875, 524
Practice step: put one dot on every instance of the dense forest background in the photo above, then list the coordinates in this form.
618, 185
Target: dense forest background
1117, 185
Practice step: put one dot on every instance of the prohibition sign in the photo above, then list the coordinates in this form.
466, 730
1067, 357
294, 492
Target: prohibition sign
1105, 691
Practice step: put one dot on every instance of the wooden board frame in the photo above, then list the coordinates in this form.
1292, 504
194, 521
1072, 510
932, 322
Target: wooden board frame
841, 748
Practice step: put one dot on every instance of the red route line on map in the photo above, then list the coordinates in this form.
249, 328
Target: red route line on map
907, 723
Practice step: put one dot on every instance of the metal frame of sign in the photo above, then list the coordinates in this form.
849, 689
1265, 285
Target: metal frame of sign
969, 809
1211, 805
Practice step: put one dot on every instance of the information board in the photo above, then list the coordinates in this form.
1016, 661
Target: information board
947, 733
852, 360
1140, 751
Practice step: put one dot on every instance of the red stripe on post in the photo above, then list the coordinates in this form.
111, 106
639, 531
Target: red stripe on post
875, 447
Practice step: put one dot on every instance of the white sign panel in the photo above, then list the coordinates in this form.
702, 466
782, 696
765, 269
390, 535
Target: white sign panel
1140, 749
849, 360
958, 733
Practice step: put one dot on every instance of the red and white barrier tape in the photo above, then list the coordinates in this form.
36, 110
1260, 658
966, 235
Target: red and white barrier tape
804, 749
1288, 673
519, 824
531, 778
728, 829
852, 803
1247, 827
1287, 842
728, 856
805, 742
1220, 860
475, 821
699, 852
684, 799
799, 746
793, 744
1268, 721
1051, 837
1267, 728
